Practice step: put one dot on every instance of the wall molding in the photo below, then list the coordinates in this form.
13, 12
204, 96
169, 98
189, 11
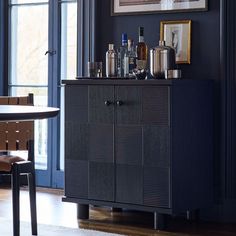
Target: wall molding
228, 74
86, 34
224, 209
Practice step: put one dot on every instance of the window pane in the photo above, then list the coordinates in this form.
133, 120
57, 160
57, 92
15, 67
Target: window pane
68, 40
63, 1
29, 42
68, 58
40, 94
27, 1
40, 126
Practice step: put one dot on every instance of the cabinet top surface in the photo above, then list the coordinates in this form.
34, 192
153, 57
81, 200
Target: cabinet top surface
106, 81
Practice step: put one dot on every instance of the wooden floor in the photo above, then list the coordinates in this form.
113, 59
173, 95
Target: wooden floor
52, 211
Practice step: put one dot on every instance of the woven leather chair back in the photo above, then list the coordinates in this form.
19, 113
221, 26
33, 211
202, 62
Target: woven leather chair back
15, 135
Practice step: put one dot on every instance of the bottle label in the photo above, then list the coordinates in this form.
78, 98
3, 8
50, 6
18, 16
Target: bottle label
141, 39
119, 65
141, 64
132, 64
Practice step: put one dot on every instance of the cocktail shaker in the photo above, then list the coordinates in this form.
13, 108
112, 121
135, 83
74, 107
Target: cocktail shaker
111, 62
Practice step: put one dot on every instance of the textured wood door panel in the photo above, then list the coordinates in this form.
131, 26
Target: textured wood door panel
129, 184
101, 181
76, 104
128, 144
155, 105
156, 187
101, 104
76, 141
100, 143
156, 145
129, 111
76, 178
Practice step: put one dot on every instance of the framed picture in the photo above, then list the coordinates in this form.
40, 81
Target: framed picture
128, 7
177, 34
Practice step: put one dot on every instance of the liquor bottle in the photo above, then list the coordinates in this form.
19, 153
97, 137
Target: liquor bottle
142, 51
121, 54
130, 59
111, 62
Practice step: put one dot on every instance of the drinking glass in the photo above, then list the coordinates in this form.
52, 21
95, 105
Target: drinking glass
94, 69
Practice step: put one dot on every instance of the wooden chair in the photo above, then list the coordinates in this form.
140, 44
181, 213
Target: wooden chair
19, 136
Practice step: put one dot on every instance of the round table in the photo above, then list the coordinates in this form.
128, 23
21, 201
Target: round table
18, 112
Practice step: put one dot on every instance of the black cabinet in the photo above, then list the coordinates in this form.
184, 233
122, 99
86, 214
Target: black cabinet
143, 145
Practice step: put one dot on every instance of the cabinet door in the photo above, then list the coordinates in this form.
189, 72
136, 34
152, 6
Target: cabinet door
129, 182
101, 162
76, 148
129, 173
156, 161
128, 104
156, 146
101, 104
156, 187
128, 145
101, 181
101, 143
156, 105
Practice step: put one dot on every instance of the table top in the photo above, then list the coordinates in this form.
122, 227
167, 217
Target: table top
18, 112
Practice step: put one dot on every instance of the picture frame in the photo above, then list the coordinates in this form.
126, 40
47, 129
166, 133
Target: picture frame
129, 7
177, 34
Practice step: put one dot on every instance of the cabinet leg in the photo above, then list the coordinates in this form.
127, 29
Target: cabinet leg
83, 211
193, 215
159, 221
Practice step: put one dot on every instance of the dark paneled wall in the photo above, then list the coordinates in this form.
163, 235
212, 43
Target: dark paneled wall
205, 35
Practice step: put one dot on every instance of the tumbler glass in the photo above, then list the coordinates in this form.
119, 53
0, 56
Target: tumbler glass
94, 69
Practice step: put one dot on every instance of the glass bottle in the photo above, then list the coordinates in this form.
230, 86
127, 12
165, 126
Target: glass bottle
111, 62
130, 59
142, 51
121, 54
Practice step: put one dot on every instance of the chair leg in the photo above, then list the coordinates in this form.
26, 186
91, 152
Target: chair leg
15, 200
33, 210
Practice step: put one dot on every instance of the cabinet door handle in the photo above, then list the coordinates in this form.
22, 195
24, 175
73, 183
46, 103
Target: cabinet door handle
107, 103
119, 103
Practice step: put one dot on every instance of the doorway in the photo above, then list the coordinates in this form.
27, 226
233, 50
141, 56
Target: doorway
42, 52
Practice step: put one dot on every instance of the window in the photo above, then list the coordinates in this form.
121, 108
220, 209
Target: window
28, 63
37, 27
68, 57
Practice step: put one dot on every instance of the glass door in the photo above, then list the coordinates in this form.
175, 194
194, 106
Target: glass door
65, 19
68, 62
29, 66
42, 51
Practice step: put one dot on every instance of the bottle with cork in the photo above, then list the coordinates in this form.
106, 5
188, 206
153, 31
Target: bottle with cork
142, 51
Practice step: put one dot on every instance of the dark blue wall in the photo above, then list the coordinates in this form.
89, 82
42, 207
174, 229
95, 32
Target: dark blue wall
205, 35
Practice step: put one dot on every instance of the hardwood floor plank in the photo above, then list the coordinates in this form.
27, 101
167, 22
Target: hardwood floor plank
52, 211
